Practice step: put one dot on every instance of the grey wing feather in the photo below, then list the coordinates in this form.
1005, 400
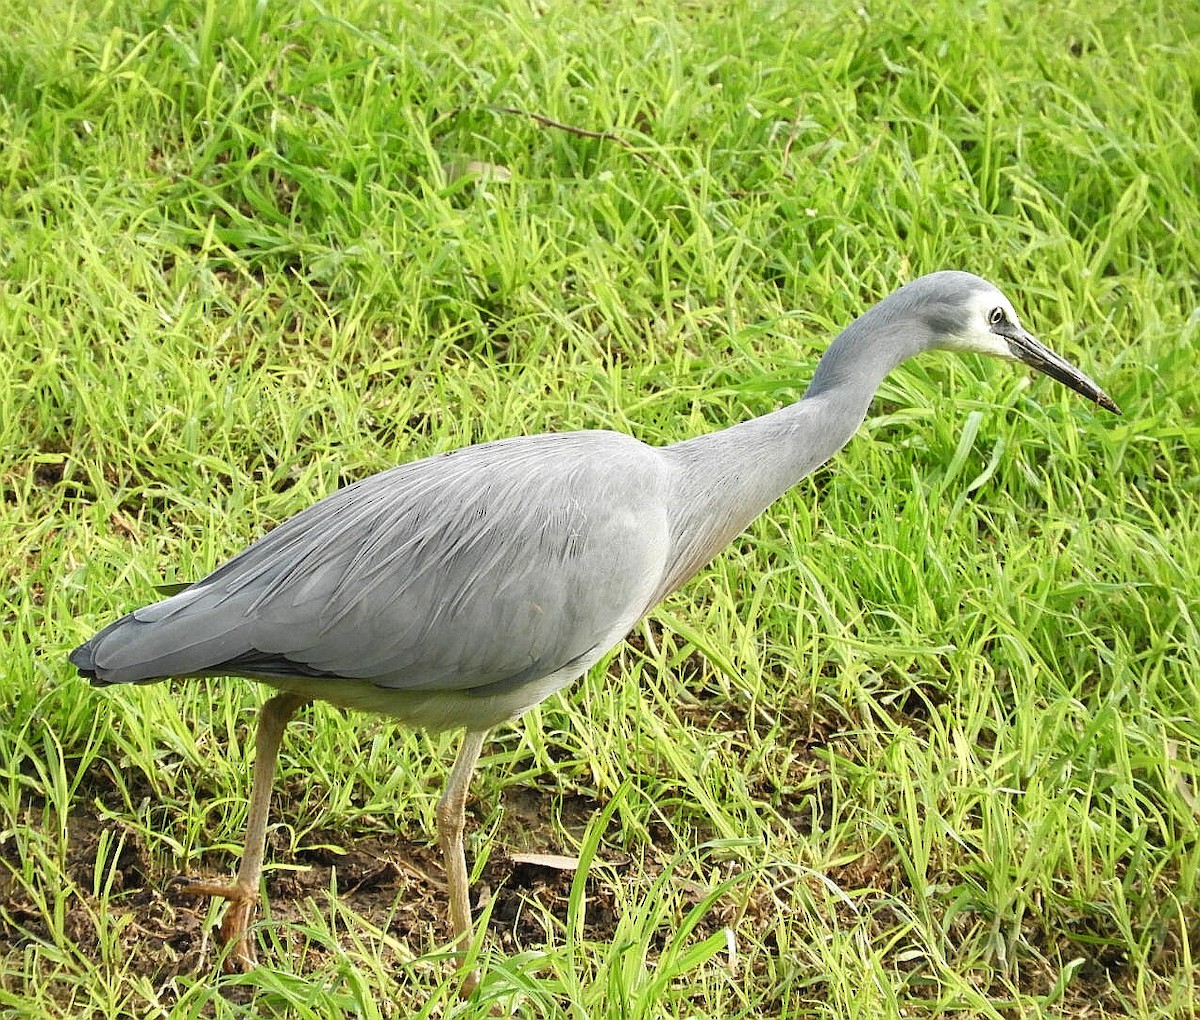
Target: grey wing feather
470, 569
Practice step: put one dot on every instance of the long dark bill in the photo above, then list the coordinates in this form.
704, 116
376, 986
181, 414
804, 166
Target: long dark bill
1027, 349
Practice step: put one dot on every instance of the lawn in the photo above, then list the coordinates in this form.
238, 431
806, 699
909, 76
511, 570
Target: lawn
924, 741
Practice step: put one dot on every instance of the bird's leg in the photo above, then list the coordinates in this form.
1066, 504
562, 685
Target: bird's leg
243, 893
451, 820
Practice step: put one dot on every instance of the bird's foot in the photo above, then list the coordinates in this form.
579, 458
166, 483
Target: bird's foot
471, 979
470, 983
241, 955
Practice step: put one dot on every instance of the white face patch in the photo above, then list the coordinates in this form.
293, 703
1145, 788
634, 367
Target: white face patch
977, 337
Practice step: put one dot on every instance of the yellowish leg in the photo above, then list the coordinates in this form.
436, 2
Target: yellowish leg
451, 820
243, 893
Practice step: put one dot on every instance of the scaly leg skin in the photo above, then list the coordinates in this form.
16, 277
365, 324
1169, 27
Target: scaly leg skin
243, 893
451, 820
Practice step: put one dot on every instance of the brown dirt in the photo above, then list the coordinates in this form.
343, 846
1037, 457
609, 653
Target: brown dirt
396, 885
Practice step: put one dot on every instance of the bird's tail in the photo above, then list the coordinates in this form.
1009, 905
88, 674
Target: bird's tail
84, 660
162, 640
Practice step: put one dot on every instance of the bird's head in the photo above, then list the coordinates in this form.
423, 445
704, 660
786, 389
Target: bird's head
963, 312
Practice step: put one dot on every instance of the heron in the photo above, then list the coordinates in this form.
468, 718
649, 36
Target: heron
458, 591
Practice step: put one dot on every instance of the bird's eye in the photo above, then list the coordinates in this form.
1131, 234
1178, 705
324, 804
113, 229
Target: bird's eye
995, 316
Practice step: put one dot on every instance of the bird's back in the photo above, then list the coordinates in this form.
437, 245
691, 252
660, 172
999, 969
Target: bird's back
476, 570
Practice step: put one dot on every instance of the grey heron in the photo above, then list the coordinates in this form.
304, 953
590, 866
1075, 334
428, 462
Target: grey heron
457, 591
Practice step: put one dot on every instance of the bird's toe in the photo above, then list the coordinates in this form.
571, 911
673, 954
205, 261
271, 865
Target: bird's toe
241, 955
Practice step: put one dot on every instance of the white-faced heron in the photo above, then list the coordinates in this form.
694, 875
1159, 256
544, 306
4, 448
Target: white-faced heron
462, 589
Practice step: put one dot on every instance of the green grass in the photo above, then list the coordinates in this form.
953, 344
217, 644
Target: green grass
925, 739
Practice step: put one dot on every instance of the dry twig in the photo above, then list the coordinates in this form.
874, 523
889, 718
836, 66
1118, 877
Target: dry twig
604, 136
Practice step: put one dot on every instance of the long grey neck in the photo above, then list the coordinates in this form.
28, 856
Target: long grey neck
862, 355
723, 480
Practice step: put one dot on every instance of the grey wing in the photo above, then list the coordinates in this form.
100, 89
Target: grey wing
487, 566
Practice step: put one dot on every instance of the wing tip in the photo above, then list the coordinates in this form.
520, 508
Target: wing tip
84, 661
